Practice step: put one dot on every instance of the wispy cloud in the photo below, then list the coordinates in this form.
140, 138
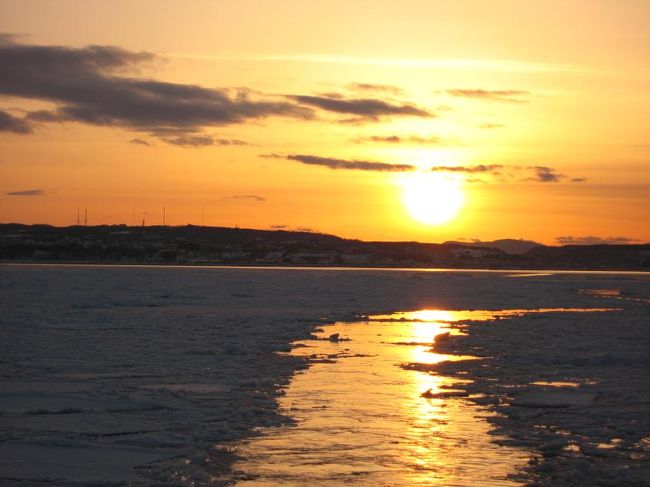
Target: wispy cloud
9, 123
137, 141
492, 65
366, 109
505, 173
26, 192
479, 168
393, 90
190, 140
399, 139
545, 174
202, 141
360, 165
510, 96
293, 229
592, 240
230, 142
489, 125
249, 197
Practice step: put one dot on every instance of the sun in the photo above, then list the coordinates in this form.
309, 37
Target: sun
432, 198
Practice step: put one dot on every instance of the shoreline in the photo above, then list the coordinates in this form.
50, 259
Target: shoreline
541, 271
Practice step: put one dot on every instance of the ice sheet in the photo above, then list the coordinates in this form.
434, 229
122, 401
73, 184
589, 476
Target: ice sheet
174, 363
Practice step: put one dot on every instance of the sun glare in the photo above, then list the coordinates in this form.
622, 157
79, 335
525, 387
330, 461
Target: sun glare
432, 199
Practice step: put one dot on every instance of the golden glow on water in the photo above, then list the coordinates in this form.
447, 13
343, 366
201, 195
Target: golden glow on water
443, 317
363, 418
555, 383
360, 417
437, 317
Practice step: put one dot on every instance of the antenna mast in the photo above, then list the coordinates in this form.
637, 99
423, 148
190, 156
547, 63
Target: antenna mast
86, 217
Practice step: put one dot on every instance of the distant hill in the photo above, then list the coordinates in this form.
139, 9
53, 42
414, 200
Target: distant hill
198, 245
508, 245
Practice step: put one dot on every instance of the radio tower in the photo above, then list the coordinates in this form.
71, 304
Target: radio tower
164, 221
78, 216
86, 217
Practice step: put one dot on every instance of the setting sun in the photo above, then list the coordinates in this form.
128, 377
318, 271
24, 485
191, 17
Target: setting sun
432, 199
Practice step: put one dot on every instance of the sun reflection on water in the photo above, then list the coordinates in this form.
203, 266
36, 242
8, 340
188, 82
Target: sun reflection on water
363, 418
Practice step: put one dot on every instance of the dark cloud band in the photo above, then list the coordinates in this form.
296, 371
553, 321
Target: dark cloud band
333, 163
512, 96
26, 192
89, 85
363, 108
592, 240
9, 123
480, 168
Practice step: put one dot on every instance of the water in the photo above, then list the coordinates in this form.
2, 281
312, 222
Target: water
361, 417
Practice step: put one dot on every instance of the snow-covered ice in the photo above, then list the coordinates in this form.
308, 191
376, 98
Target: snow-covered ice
144, 375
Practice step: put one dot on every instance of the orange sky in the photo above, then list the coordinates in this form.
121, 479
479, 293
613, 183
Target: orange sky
327, 115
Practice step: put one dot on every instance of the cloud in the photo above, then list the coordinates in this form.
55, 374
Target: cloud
26, 192
512, 96
390, 139
480, 168
251, 197
43, 116
272, 155
293, 229
88, 85
9, 123
365, 109
190, 140
592, 240
230, 142
396, 139
491, 125
541, 174
201, 141
333, 163
376, 87
140, 142
545, 174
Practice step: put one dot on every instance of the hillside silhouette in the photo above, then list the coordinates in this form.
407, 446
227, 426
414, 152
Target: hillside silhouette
198, 245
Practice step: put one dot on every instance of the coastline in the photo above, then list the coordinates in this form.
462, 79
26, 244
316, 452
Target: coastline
577, 270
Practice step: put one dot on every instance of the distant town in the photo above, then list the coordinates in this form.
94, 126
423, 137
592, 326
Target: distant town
199, 245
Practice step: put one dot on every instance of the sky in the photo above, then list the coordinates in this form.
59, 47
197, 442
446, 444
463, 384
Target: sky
377, 120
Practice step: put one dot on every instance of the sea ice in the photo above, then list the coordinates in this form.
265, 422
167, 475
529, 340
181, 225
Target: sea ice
153, 366
554, 399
